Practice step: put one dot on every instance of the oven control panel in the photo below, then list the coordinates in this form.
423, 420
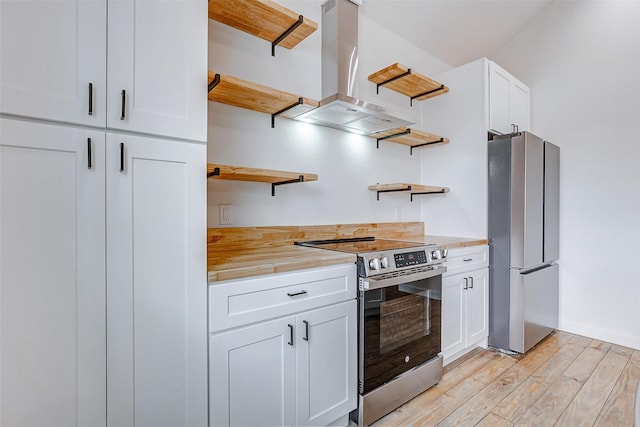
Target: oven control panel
375, 263
410, 258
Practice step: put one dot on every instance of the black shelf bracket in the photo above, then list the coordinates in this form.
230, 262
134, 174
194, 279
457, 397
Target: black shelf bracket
427, 192
420, 95
284, 35
290, 181
392, 79
408, 188
405, 132
214, 82
216, 172
277, 113
424, 145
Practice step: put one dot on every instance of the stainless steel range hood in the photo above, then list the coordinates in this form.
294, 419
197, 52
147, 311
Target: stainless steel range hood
340, 107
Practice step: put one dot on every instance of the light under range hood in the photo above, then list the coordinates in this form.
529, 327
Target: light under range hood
339, 108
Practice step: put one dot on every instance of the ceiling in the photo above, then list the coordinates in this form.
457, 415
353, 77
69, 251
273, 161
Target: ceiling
455, 31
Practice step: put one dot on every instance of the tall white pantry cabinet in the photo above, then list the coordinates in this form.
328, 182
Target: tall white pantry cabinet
102, 213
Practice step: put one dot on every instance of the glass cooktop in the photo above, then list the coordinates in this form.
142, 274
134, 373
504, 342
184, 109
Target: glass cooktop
361, 245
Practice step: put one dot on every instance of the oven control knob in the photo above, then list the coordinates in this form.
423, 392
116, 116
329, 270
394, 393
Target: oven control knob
444, 253
436, 254
374, 264
384, 262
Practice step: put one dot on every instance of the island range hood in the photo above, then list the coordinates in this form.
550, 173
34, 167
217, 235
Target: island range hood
340, 108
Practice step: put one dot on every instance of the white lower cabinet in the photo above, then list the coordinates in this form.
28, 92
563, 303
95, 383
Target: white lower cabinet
156, 283
253, 376
52, 276
102, 279
296, 369
465, 303
326, 363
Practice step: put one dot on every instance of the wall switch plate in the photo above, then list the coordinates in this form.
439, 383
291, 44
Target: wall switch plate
226, 215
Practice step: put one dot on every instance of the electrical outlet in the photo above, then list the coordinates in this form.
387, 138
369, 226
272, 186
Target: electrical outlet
226, 215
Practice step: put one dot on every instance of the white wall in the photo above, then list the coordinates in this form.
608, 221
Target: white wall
582, 62
346, 163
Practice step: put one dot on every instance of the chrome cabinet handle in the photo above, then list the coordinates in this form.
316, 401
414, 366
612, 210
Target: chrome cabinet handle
295, 294
467, 259
90, 99
306, 330
466, 283
290, 342
123, 104
471, 280
89, 155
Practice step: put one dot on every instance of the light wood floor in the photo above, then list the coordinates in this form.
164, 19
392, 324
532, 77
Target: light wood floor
566, 380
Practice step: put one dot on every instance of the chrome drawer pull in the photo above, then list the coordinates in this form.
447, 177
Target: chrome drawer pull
467, 259
295, 294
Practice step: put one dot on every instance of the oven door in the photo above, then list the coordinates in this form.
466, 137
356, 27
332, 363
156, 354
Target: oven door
399, 327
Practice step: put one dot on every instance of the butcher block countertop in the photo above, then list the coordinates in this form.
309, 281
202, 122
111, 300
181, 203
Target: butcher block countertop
241, 263
448, 242
235, 253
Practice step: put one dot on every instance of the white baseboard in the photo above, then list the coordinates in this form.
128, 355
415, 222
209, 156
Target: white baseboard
599, 334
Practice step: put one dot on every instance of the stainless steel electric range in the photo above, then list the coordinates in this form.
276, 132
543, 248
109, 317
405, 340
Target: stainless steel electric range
399, 320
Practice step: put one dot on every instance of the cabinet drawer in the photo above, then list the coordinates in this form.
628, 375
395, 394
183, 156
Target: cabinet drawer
240, 302
470, 258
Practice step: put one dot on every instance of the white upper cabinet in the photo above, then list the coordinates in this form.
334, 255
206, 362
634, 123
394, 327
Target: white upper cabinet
53, 60
157, 68
519, 105
53, 64
508, 101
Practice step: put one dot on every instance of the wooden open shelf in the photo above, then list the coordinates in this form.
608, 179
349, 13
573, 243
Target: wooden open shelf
265, 19
407, 82
273, 177
411, 137
413, 189
253, 96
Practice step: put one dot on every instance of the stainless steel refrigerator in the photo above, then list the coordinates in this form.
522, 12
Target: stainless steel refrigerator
523, 240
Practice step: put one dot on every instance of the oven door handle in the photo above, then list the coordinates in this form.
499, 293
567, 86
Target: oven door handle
370, 283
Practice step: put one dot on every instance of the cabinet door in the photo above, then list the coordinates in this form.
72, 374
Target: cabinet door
156, 283
477, 306
519, 105
50, 52
453, 315
158, 56
52, 276
499, 88
327, 364
252, 375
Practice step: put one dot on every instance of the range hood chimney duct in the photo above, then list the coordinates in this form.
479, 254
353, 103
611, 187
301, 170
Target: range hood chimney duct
340, 107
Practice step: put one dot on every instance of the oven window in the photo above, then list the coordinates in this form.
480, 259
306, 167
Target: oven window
400, 329
403, 319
